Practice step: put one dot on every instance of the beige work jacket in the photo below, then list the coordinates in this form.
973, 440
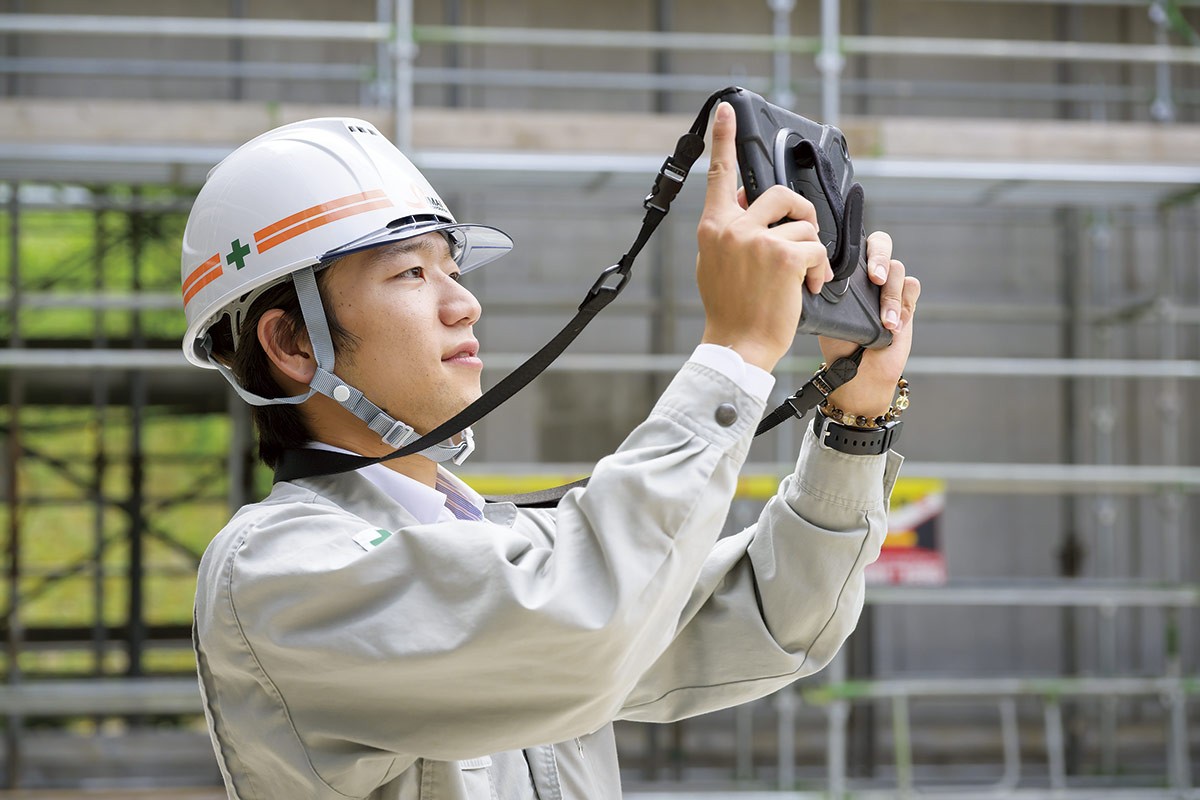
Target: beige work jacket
344, 650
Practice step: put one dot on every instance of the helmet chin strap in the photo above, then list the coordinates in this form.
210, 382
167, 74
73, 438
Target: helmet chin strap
393, 432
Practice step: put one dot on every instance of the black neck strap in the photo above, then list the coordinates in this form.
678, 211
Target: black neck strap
308, 463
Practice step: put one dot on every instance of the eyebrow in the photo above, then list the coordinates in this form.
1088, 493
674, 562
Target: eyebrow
406, 246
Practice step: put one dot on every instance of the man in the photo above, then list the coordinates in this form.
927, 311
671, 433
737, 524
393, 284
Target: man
384, 633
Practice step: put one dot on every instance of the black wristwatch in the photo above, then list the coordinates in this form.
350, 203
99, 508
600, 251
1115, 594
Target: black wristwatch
855, 441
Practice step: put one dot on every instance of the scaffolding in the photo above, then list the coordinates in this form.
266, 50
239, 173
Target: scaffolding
122, 383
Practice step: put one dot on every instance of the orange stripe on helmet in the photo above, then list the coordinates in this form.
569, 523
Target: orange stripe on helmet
202, 276
265, 244
316, 211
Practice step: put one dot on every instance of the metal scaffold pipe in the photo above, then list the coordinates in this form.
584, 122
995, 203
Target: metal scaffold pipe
404, 52
830, 61
1129, 369
14, 629
781, 59
197, 27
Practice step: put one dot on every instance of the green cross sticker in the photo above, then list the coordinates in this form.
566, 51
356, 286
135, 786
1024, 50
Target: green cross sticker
239, 253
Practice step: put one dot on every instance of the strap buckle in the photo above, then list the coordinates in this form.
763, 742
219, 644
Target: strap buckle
824, 383
817, 389
604, 291
664, 192
804, 400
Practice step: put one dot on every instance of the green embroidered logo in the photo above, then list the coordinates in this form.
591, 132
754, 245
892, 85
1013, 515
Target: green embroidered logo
370, 539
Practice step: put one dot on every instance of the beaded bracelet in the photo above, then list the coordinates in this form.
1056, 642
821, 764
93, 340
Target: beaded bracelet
859, 421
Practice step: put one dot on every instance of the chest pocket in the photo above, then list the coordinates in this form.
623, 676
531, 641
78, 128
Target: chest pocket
458, 780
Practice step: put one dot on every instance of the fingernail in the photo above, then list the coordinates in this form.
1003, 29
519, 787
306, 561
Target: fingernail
891, 319
878, 271
723, 111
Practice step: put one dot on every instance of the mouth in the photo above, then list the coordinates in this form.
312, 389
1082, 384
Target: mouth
465, 353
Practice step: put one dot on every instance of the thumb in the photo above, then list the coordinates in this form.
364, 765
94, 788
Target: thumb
722, 169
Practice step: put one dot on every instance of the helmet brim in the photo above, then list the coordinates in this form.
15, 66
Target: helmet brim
474, 245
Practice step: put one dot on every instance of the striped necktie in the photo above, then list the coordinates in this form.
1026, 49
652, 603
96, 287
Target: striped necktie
457, 502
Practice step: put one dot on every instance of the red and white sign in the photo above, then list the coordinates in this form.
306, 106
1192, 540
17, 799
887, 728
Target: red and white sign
912, 552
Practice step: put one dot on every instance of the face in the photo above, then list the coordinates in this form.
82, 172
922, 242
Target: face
415, 356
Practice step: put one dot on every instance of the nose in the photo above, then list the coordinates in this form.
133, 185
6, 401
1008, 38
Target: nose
459, 306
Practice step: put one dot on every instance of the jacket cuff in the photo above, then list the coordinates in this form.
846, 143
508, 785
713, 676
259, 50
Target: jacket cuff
729, 362
860, 483
711, 406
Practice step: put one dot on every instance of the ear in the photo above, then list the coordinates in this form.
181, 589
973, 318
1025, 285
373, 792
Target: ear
288, 349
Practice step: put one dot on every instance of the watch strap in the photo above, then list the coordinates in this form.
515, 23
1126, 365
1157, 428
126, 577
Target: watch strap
855, 441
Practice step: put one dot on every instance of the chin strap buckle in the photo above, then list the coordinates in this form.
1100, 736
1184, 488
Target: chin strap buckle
448, 451
466, 446
397, 434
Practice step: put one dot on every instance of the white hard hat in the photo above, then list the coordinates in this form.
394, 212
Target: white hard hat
301, 194
290, 200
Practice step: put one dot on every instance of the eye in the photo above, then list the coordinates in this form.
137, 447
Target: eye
416, 273
456, 277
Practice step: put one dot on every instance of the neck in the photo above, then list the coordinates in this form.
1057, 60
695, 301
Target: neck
329, 423
417, 467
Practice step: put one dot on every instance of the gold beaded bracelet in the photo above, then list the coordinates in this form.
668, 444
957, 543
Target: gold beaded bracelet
859, 421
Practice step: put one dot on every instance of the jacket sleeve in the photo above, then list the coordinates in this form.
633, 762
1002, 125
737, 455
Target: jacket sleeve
456, 640
776, 601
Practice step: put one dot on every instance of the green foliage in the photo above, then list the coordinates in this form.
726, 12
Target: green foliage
61, 528
68, 252
74, 480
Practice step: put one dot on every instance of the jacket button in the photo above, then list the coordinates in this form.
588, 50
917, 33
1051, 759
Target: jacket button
726, 415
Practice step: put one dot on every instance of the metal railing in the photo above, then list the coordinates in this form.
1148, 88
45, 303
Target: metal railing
390, 76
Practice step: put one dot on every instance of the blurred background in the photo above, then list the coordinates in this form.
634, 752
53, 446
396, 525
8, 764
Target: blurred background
1031, 629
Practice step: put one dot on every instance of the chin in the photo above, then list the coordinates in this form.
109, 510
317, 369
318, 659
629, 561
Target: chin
465, 399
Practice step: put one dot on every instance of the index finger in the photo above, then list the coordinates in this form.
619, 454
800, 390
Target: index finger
722, 167
780, 202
